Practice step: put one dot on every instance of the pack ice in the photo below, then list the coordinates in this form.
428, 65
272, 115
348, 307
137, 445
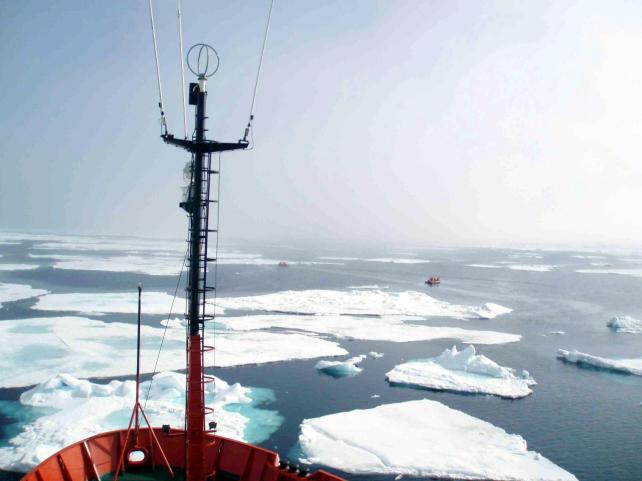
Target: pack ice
360, 302
16, 292
92, 348
78, 409
120, 302
422, 438
462, 371
370, 328
627, 366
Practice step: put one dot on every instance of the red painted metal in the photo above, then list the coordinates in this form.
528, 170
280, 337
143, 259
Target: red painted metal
249, 463
195, 410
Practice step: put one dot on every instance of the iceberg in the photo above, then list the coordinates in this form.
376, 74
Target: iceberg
91, 348
367, 328
76, 408
462, 371
626, 366
375, 354
626, 324
17, 292
347, 368
422, 438
359, 302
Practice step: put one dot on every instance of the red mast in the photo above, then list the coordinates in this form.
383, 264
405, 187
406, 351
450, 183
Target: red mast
197, 206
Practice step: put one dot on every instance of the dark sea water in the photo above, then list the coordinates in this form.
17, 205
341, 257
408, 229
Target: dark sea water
587, 421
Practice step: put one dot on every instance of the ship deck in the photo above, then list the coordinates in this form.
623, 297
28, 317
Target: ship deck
157, 474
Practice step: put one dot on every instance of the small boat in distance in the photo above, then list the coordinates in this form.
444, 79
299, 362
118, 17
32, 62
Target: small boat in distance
433, 281
283, 264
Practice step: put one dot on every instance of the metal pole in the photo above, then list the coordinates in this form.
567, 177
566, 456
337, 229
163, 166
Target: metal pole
195, 406
140, 290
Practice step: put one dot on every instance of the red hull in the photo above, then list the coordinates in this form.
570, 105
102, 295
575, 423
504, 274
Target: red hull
224, 458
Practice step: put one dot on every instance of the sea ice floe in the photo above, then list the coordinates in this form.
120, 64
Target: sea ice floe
150, 265
78, 409
626, 366
111, 244
422, 438
375, 354
368, 328
626, 324
462, 371
349, 367
635, 272
92, 348
360, 302
397, 260
531, 267
18, 267
112, 302
485, 266
16, 292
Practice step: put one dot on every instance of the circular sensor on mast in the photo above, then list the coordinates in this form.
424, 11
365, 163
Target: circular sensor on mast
202, 60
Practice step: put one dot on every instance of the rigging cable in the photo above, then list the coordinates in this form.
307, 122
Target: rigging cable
218, 234
180, 41
151, 381
158, 76
258, 73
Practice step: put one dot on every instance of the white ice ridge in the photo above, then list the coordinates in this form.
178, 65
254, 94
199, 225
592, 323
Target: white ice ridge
625, 324
368, 328
152, 265
396, 260
391, 260
422, 438
360, 302
18, 267
91, 348
516, 267
635, 272
531, 267
16, 292
485, 266
463, 371
121, 302
349, 367
627, 366
80, 408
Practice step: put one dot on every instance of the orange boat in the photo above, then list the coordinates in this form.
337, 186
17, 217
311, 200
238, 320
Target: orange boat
196, 453
433, 281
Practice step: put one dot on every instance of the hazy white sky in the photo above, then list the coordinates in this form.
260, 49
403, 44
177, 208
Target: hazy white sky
417, 122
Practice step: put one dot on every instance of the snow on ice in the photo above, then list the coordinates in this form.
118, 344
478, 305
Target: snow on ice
347, 368
16, 292
77, 408
368, 328
626, 366
626, 324
462, 371
422, 438
92, 348
360, 302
